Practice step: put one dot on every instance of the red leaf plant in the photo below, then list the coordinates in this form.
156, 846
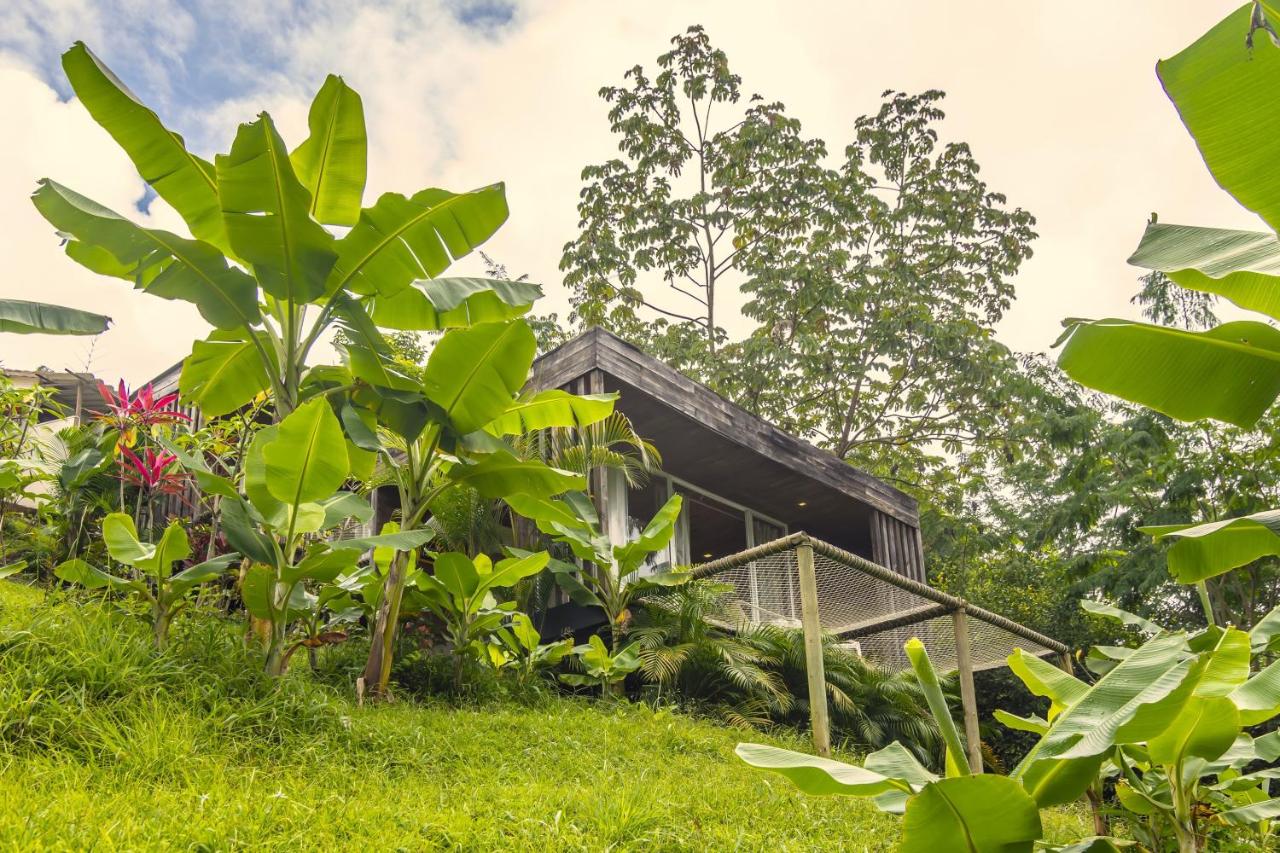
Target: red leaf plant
153, 471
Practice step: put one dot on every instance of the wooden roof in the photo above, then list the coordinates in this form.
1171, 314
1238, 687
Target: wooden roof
700, 407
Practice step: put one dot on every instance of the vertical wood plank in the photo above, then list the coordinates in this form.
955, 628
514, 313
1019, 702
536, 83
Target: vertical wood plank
812, 622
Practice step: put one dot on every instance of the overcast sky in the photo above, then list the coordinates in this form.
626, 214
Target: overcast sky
1059, 102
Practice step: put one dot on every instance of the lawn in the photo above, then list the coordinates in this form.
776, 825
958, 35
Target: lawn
104, 745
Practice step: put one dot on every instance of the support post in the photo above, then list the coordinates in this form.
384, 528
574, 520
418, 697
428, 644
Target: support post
968, 697
810, 619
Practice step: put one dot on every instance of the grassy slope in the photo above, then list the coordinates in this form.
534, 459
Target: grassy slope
105, 746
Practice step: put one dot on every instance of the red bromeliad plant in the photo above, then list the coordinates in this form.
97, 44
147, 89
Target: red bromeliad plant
127, 412
152, 471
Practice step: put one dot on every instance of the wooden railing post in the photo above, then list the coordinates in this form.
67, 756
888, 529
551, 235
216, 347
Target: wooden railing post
811, 620
968, 697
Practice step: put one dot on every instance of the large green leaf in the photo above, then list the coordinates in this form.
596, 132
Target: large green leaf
655, 536
474, 373
1251, 814
1205, 728
457, 573
1124, 617
509, 572
400, 540
78, 571
400, 240
1258, 699
243, 535
267, 212
449, 303
1212, 548
182, 179
307, 461
496, 475
974, 814
220, 376
1266, 629
1224, 91
1243, 266
1135, 701
1230, 373
321, 563
816, 775
121, 538
895, 761
552, 408
200, 573
161, 263
1044, 679
20, 317
332, 163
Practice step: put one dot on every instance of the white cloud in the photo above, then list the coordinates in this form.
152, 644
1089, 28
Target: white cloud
59, 140
1062, 110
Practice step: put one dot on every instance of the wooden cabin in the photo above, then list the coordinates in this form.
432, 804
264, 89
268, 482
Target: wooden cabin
744, 481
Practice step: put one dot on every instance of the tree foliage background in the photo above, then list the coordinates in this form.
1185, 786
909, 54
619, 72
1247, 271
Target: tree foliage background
873, 282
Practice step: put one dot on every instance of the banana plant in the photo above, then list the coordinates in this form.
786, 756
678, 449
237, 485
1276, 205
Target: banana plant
262, 264
518, 647
293, 474
460, 592
1168, 719
471, 382
612, 582
602, 669
156, 584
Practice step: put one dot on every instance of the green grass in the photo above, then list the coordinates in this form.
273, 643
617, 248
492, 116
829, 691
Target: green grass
106, 746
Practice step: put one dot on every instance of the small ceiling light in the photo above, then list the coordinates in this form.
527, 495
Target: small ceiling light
706, 556
802, 503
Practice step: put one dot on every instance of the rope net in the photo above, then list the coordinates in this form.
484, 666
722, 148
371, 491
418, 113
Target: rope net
873, 616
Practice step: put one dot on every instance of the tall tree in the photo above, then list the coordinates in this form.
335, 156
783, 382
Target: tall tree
874, 286
876, 322
705, 175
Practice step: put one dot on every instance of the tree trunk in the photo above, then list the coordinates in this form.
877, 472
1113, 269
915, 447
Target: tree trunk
160, 624
377, 670
277, 659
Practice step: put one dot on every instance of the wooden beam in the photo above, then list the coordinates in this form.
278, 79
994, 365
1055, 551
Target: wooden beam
968, 696
813, 665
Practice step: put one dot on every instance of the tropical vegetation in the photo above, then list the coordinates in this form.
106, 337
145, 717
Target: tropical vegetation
169, 555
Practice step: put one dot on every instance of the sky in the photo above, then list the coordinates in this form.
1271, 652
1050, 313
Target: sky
1059, 102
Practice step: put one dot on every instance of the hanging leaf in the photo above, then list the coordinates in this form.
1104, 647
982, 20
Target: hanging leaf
161, 263
1220, 86
20, 317
1209, 549
1230, 373
1242, 266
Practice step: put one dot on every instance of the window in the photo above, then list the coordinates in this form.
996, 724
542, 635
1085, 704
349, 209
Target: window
713, 529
